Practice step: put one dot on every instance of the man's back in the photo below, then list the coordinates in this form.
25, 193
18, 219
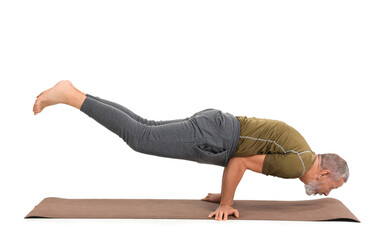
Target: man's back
288, 155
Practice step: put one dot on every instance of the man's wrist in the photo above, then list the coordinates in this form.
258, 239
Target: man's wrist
225, 204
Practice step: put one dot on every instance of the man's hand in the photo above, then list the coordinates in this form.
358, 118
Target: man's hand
223, 211
213, 197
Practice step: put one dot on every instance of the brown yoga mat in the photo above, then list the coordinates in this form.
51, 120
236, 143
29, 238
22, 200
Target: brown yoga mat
307, 210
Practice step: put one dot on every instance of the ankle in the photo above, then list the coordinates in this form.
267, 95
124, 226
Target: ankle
73, 98
77, 99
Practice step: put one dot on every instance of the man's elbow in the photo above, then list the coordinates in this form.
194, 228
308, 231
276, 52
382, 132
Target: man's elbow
238, 162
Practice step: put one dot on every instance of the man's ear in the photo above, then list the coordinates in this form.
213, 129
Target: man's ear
324, 173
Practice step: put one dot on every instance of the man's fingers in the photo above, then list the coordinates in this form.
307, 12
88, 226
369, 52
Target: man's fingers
207, 197
236, 214
222, 215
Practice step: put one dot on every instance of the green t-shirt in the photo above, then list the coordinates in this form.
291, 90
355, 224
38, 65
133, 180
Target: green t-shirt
287, 153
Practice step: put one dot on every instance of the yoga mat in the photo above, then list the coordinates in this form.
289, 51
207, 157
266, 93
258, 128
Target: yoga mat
307, 210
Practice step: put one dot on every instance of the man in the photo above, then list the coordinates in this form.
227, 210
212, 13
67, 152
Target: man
212, 137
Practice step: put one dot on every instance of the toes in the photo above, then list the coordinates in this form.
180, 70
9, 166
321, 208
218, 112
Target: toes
37, 111
37, 106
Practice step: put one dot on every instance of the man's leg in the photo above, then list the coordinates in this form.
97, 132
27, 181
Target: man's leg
133, 115
173, 140
163, 140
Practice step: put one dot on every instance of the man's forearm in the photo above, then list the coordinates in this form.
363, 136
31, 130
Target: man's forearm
231, 177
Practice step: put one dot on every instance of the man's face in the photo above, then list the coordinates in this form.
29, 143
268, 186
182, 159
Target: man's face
323, 186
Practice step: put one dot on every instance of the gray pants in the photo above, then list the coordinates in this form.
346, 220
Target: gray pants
209, 136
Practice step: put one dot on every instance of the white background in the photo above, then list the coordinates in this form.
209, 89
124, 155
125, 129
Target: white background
320, 66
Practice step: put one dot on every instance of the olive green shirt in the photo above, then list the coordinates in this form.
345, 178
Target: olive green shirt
287, 153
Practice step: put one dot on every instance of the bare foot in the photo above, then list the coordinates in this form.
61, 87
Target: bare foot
57, 94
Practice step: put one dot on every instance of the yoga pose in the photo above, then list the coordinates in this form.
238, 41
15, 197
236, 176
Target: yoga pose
210, 136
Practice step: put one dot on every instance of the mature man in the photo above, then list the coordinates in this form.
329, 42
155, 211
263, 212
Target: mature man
211, 136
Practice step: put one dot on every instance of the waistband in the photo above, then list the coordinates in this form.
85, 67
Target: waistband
236, 136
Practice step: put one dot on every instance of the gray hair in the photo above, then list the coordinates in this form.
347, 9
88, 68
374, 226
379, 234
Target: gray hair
337, 166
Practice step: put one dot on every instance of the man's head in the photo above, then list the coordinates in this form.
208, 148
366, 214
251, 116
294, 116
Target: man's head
331, 173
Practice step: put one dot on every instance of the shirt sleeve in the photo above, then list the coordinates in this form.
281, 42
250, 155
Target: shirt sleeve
288, 165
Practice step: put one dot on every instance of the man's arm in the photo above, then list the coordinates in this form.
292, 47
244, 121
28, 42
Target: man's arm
255, 162
232, 175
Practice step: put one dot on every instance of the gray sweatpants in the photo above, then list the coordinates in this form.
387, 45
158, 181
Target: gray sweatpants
209, 136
